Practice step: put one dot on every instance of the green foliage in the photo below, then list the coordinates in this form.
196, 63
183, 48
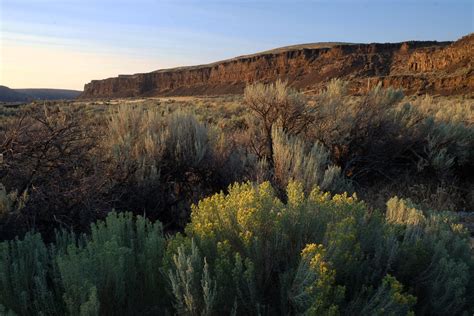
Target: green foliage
254, 248
389, 299
194, 292
64, 164
247, 252
116, 268
441, 272
355, 249
5, 312
314, 291
248, 230
29, 279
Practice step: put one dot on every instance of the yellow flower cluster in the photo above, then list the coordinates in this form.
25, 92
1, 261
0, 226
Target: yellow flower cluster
295, 193
319, 197
245, 212
315, 254
344, 198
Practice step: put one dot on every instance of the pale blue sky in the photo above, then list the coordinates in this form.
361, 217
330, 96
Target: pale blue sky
64, 44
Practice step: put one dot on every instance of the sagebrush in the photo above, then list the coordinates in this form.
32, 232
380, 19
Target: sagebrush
247, 252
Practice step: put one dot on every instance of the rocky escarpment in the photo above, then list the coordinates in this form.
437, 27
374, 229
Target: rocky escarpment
417, 67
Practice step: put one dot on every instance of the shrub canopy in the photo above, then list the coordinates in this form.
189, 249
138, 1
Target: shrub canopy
248, 252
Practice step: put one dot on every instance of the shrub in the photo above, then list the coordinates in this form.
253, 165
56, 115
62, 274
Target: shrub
360, 132
147, 143
247, 252
117, 269
193, 290
10, 201
187, 141
389, 299
30, 282
380, 132
448, 146
48, 156
76, 161
258, 240
441, 272
253, 248
294, 160
281, 114
314, 291
134, 139
277, 104
378, 140
160, 163
361, 248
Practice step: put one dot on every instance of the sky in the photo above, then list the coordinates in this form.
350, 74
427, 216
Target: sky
67, 43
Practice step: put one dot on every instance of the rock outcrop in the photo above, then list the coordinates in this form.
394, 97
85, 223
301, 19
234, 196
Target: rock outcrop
417, 67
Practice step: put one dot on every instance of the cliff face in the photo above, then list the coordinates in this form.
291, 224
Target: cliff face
417, 67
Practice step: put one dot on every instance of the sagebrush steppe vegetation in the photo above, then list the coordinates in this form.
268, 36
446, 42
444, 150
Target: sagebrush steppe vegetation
273, 202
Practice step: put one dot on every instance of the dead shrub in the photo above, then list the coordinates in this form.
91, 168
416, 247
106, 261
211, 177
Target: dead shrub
49, 155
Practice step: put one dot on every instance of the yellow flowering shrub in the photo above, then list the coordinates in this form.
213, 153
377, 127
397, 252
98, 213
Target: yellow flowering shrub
252, 252
389, 299
314, 291
246, 213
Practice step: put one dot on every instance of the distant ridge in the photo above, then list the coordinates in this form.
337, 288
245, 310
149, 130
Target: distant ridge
24, 95
417, 67
50, 94
10, 95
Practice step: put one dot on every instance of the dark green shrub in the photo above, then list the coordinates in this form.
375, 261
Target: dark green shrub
440, 273
117, 270
389, 299
30, 283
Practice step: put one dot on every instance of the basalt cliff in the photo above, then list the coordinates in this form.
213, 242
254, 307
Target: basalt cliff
417, 67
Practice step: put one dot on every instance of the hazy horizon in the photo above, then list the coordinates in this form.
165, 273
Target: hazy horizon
66, 44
